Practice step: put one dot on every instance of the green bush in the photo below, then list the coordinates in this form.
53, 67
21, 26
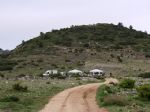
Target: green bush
2, 75
119, 59
127, 83
144, 91
7, 65
103, 91
115, 100
19, 87
147, 55
78, 78
10, 99
6, 68
145, 75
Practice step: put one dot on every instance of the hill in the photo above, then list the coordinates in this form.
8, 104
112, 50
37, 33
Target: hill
98, 36
105, 46
4, 51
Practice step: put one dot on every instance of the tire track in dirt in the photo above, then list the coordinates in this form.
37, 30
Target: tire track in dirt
77, 99
65, 101
85, 95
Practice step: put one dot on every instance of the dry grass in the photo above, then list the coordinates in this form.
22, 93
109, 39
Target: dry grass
115, 100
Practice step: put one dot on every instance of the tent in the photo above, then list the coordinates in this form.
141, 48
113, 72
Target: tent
96, 72
75, 72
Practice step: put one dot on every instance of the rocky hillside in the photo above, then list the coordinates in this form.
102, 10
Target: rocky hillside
88, 46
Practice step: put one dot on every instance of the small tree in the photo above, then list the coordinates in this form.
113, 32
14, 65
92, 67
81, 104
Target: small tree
42, 35
131, 27
120, 24
23, 42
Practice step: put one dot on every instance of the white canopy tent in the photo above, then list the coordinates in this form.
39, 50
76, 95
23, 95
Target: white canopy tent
75, 72
96, 72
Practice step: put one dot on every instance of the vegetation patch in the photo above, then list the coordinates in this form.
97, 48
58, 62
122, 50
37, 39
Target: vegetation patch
144, 91
102, 92
127, 83
115, 100
10, 99
124, 98
145, 75
31, 101
19, 87
7, 64
14, 97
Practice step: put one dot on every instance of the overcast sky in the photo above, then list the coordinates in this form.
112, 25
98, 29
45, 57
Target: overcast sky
25, 19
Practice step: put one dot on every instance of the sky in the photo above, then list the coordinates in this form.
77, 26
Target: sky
25, 19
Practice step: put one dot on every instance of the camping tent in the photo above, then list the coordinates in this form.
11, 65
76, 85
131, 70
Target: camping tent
96, 72
76, 72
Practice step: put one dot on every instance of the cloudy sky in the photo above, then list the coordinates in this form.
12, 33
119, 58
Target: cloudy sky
25, 19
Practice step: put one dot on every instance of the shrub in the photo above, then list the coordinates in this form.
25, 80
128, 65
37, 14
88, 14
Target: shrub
40, 60
115, 100
10, 99
80, 63
119, 59
86, 45
78, 78
21, 75
102, 92
144, 91
2, 75
112, 55
6, 68
40, 75
127, 83
7, 65
145, 75
48, 82
54, 65
19, 87
147, 55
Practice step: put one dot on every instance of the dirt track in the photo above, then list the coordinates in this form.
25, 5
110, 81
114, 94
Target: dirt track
77, 99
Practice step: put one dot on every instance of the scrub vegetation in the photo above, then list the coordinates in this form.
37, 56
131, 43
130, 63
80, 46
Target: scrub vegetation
124, 98
32, 95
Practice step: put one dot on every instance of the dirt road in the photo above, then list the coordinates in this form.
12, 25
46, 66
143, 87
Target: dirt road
77, 99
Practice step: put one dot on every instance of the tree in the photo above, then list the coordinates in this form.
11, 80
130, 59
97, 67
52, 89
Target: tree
23, 42
131, 27
42, 35
120, 24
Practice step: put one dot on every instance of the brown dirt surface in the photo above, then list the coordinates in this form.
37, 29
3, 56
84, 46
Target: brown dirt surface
77, 99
